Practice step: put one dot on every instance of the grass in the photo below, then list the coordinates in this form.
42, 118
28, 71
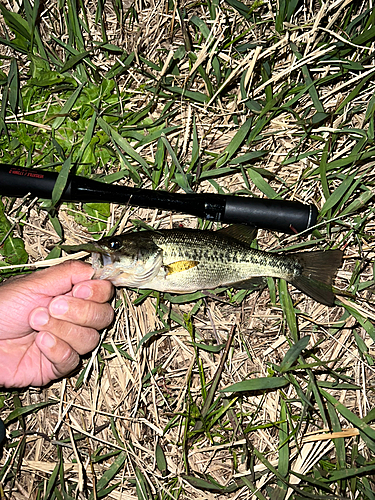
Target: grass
240, 395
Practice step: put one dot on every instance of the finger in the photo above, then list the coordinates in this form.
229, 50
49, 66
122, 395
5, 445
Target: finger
63, 358
81, 312
60, 279
81, 339
96, 290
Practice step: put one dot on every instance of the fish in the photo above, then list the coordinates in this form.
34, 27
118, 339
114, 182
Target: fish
187, 260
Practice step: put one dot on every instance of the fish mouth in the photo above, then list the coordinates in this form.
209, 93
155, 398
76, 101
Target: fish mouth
100, 260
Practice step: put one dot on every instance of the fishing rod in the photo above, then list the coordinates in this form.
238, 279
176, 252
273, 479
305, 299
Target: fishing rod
277, 215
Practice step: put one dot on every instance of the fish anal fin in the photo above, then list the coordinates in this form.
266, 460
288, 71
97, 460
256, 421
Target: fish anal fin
180, 265
250, 284
240, 232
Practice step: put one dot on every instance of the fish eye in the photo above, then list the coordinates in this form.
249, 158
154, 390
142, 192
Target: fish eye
114, 244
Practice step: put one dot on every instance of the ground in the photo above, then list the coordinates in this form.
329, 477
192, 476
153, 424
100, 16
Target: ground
241, 98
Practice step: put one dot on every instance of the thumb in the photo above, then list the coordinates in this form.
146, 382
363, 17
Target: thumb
62, 357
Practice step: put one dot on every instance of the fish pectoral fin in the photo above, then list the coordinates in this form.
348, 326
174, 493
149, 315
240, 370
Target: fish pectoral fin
180, 265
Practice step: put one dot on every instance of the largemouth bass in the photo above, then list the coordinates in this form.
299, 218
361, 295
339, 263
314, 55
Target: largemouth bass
186, 260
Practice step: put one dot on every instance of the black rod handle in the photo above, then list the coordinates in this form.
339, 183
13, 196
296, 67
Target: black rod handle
277, 215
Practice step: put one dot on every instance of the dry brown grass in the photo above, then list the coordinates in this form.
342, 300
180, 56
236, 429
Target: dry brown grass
114, 408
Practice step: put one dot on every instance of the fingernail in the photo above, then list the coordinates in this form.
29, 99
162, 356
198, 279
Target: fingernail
82, 292
58, 306
48, 340
39, 318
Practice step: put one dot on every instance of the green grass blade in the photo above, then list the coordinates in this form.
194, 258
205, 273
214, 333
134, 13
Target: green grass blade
61, 181
73, 60
367, 432
288, 309
14, 95
143, 490
339, 442
181, 177
123, 144
338, 193
52, 481
293, 353
109, 474
259, 384
262, 185
65, 110
235, 143
161, 461
26, 410
16, 23
309, 82
284, 454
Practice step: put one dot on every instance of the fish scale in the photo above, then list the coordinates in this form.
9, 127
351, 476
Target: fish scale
242, 260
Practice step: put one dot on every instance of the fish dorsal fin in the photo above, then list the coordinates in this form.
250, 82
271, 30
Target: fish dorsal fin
180, 265
240, 232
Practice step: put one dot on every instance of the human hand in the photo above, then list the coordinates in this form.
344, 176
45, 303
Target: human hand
49, 318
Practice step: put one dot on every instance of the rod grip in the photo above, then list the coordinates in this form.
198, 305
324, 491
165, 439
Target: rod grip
276, 215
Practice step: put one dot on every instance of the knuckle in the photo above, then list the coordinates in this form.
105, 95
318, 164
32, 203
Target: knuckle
108, 316
68, 362
92, 340
68, 266
87, 314
99, 315
103, 290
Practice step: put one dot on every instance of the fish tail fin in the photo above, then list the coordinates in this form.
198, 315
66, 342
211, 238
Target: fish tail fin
318, 271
